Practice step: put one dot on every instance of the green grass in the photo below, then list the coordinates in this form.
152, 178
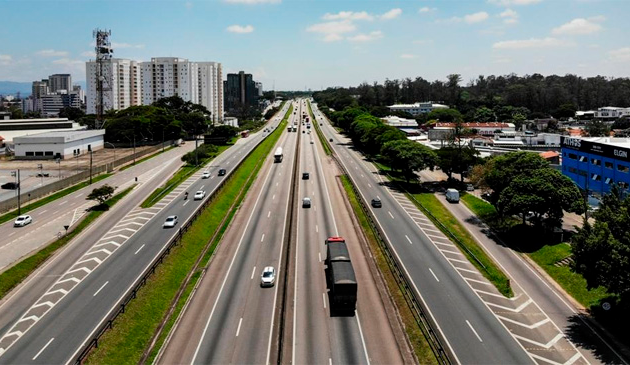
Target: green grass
320, 135
429, 202
546, 256
416, 337
178, 177
130, 336
17, 273
60, 194
145, 158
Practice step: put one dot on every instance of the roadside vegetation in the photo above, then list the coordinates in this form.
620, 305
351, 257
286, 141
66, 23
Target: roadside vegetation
13, 276
415, 333
50, 198
130, 337
166, 149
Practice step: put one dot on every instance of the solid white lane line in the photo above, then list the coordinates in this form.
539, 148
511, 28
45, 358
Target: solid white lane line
390, 214
43, 348
273, 197
201, 187
277, 184
316, 229
239, 326
43, 211
78, 195
319, 255
186, 202
211, 177
367, 358
141, 247
268, 214
253, 272
101, 288
262, 238
63, 202
407, 237
435, 276
475, 332
324, 297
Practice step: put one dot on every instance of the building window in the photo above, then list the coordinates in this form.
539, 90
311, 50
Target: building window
573, 156
608, 165
48, 153
608, 181
39, 153
622, 168
583, 159
596, 177
596, 162
30, 153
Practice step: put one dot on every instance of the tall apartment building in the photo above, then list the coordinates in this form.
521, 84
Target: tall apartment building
210, 88
39, 88
240, 89
58, 82
163, 77
121, 86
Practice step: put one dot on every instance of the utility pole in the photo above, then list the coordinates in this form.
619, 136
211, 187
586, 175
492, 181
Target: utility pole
196, 159
16, 174
41, 172
90, 149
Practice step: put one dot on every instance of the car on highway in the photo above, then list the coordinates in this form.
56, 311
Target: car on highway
268, 277
10, 186
331, 140
470, 187
376, 202
306, 202
170, 222
22, 220
305, 175
222, 172
200, 195
312, 142
205, 175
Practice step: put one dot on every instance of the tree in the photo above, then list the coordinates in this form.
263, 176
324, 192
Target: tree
71, 113
597, 129
601, 251
408, 156
445, 115
484, 115
101, 194
456, 159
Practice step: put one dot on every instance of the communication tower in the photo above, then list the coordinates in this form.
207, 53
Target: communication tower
104, 74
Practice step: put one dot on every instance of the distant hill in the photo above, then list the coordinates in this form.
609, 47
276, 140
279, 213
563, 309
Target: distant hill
12, 88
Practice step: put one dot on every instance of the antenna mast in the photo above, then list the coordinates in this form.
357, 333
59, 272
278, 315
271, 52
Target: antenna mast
104, 53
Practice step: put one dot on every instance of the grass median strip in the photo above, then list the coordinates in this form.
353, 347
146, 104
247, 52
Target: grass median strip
415, 335
145, 158
320, 135
132, 332
60, 194
180, 176
546, 257
20, 271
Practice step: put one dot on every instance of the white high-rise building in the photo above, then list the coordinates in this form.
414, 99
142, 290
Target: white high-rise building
210, 82
121, 85
163, 77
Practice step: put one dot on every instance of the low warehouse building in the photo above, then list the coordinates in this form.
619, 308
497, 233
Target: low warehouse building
50, 145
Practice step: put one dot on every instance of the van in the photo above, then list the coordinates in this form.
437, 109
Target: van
452, 195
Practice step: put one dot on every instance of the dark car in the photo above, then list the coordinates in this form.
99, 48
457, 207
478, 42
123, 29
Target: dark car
376, 203
486, 196
10, 186
43, 174
331, 139
305, 176
222, 172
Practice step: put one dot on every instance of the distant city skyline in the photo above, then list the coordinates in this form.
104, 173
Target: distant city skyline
298, 44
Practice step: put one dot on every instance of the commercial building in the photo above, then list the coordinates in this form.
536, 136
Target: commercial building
58, 144
12, 128
417, 108
595, 164
121, 87
39, 88
610, 113
50, 105
240, 89
443, 130
59, 82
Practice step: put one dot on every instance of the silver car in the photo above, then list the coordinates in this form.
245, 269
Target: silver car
22, 220
268, 277
170, 222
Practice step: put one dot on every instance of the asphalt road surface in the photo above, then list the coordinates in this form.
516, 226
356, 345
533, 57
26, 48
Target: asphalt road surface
51, 317
472, 333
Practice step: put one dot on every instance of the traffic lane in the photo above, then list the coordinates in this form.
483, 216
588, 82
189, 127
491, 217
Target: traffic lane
260, 313
492, 331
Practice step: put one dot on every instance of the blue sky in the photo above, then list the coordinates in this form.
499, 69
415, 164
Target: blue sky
299, 44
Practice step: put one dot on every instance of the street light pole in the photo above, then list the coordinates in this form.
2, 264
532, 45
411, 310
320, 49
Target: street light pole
90, 149
41, 172
58, 160
162, 139
134, 149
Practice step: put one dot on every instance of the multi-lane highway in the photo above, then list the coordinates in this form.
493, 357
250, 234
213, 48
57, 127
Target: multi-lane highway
51, 317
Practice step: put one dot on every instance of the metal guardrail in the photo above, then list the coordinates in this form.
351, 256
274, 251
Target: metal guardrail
424, 322
93, 343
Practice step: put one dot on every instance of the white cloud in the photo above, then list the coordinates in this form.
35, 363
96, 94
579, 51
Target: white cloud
67, 61
348, 15
126, 45
532, 43
408, 56
392, 14
5, 59
52, 53
578, 26
253, 1
332, 30
426, 9
476, 17
372, 36
513, 2
502, 60
620, 55
509, 16
332, 37
240, 29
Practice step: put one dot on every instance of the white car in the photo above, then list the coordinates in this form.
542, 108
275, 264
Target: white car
306, 202
22, 220
170, 222
200, 195
268, 277
205, 175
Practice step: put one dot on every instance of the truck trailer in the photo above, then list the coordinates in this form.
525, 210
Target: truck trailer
340, 277
277, 157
